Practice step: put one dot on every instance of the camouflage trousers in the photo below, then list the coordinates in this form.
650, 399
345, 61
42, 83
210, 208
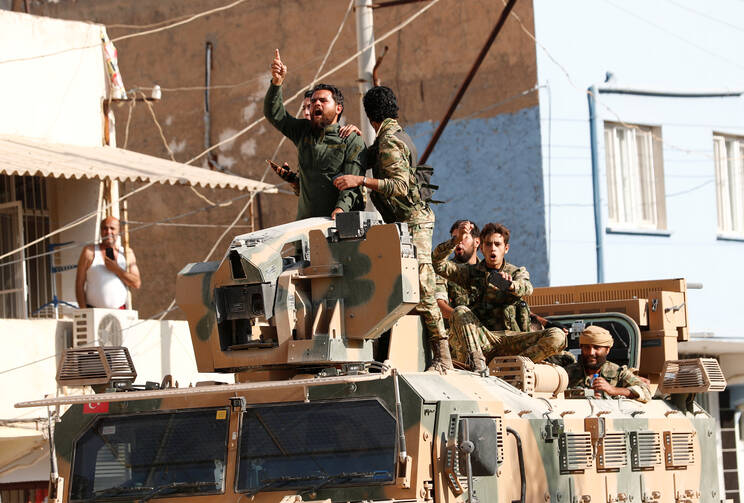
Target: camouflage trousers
469, 335
428, 308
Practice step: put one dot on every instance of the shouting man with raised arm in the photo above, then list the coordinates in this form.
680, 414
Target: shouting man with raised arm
323, 154
497, 321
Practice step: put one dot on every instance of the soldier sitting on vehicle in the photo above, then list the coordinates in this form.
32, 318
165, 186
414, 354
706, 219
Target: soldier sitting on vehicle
449, 295
497, 322
606, 378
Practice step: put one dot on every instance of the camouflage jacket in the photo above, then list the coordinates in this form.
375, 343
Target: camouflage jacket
454, 294
322, 155
496, 309
393, 164
612, 373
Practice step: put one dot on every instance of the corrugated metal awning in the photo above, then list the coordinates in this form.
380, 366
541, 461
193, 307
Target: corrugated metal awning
27, 156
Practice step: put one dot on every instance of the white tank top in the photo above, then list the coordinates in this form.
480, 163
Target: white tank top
102, 287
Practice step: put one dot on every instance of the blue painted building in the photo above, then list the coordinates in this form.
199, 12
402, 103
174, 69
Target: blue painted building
666, 79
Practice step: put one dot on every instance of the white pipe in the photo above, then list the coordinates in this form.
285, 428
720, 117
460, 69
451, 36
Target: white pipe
365, 62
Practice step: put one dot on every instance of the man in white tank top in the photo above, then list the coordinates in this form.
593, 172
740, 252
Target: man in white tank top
102, 281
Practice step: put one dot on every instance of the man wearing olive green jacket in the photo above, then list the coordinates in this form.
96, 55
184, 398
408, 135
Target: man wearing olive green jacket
323, 154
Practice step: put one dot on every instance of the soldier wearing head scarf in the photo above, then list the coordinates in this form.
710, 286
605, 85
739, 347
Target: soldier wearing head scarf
606, 378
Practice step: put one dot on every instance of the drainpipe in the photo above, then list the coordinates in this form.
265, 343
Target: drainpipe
598, 230
365, 62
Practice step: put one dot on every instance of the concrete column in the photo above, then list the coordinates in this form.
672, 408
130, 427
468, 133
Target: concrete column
365, 62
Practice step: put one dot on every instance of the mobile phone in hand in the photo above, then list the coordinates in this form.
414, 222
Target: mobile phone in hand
110, 253
499, 282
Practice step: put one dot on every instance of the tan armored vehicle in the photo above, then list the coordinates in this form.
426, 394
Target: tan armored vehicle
331, 402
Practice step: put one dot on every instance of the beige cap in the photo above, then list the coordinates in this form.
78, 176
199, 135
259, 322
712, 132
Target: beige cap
596, 336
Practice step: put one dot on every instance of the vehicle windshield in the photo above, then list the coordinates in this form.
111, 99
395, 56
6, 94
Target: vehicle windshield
151, 455
313, 445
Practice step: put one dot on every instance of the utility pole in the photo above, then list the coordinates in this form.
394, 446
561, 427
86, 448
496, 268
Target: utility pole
366, 62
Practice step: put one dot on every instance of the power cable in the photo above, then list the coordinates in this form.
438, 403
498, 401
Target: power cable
678, 37
706, 16
131, 35
253, 194
326, 74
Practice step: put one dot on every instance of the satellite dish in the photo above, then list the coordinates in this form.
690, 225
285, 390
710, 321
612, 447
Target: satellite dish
109, 331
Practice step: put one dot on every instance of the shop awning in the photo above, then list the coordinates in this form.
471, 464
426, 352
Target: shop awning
27, 156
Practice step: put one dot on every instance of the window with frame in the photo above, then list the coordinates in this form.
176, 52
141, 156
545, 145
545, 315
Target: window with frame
635, 176
728, 152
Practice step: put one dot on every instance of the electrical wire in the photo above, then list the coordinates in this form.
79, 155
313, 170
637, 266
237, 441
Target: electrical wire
326, 74
253, 194
678, 37
131, 35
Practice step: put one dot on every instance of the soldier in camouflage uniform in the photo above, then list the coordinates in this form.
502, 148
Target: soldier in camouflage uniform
497, 323
593, 371
396, 195
449, 295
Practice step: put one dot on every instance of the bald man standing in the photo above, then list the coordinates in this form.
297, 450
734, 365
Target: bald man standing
106, 270
606, 378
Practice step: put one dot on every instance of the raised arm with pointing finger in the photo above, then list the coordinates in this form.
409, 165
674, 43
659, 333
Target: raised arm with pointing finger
322, 153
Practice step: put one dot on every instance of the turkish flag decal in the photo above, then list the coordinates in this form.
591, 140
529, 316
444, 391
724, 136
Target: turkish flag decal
95, 408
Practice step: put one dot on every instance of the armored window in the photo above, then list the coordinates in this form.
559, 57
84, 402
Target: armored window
150, 455
308, 446
635, 177
729, 162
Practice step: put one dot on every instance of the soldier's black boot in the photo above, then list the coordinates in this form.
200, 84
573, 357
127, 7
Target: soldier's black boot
442, 361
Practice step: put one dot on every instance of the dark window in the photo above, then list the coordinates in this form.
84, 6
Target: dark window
313, 445
151, 454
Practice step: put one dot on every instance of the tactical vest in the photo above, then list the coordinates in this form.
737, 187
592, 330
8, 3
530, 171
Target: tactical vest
400, 209
516, 312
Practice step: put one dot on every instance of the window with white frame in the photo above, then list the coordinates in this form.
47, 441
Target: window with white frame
635, 176
729, 160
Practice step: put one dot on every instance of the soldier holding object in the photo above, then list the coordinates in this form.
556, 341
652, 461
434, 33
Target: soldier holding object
497, 323
396, 195
606, 378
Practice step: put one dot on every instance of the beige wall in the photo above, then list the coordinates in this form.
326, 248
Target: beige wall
157, 348
70, 199
425, 65
56, 98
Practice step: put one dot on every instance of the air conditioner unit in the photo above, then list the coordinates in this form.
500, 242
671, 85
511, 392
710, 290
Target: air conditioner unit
101, 327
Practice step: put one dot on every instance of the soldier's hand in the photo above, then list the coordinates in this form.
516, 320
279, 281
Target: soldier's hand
278, 69
462, 229
344, 182
335, 212
348, 130
600, 384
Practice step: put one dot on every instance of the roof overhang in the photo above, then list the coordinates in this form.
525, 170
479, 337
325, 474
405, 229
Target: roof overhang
26, 156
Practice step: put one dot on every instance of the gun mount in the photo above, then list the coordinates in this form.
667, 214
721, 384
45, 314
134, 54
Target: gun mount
305, 293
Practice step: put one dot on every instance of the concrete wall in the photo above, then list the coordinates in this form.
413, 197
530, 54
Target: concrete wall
692, 49
489, 170
425, 65
31, 349
69, 199
28, 369
56, 98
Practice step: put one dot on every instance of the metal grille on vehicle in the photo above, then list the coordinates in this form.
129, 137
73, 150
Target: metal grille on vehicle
645, 450
575, 452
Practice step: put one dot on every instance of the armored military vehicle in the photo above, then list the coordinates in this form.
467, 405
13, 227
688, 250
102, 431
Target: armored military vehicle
331, 402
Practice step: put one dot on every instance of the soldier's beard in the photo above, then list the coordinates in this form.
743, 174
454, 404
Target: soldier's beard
465, 257
599, 361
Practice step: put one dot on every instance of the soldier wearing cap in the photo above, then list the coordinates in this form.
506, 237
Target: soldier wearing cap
606, 378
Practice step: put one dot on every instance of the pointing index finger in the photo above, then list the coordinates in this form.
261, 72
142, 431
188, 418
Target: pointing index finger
276, 54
